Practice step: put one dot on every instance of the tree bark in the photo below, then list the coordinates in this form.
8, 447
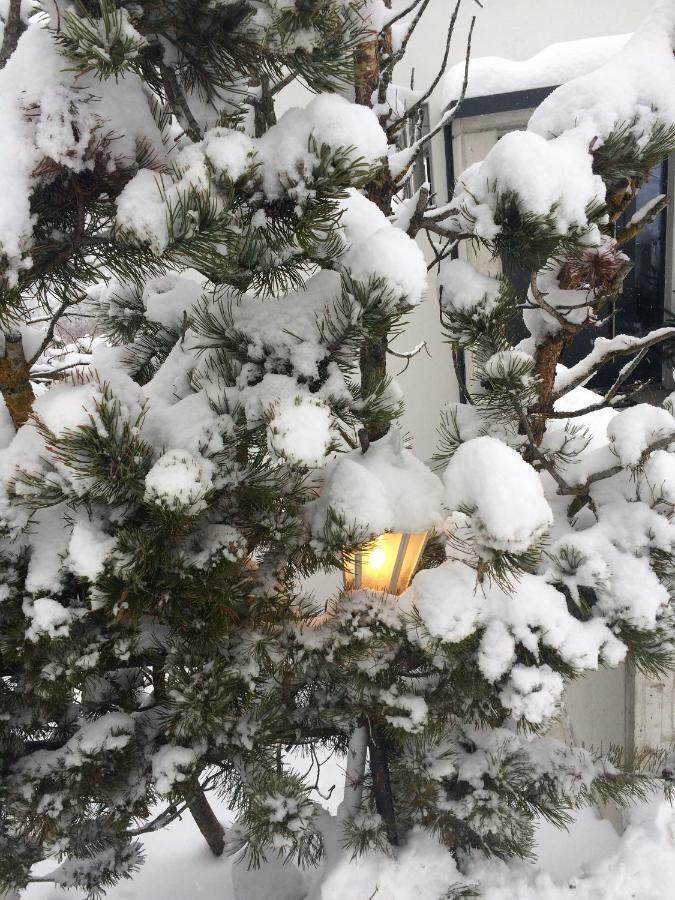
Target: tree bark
545, 362
15, 380
379, 770
14, 28
211, 829
14, 371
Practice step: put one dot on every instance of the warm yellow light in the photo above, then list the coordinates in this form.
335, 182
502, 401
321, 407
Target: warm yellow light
377, 558
385, 564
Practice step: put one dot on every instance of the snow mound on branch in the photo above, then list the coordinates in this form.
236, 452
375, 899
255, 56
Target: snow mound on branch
385, 489
144, 207
533, 614
548, 177
171, 764
284, 154
178, 480
300, 431
584, 370
51, 115
466, 290
552, 66
88, 549
635, 86
285, 328
657, 478
377, 248
109, 732
47, 617
328, 119
501, 493
612, 557
169, 298
633, 430
533, 693
509, 364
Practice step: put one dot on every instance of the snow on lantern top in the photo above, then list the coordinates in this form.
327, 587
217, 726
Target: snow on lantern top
385, 489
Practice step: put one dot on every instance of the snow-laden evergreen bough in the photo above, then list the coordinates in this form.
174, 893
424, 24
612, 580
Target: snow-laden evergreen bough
228, 432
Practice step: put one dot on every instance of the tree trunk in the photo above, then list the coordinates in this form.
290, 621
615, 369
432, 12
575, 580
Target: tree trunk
380, 191
546, 359
15, 380
14, 28
211, 829
379, 770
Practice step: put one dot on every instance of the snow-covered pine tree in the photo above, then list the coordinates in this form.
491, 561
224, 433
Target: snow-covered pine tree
163, 504
153, 527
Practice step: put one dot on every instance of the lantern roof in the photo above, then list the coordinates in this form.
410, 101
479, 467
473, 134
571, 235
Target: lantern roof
385, 489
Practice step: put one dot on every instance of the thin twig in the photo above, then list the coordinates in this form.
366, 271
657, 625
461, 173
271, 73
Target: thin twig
636, 347
445, 119
543, 303
606, 401
417, 105
402, 14
398, 56
408, 355
178, 103
640, 220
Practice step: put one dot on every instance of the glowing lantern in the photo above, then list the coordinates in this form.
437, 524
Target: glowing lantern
386, 563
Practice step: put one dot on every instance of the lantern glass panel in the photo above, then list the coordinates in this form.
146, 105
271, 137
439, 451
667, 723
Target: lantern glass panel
387, 563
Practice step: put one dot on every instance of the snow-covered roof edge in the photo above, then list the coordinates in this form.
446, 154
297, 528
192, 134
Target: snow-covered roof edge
551, 67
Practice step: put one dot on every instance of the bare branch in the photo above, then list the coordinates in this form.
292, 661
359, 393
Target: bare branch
418, 215
606, 401
48, 373
49, 334
402, 14
409, 354
659, 444
179, 105
587, 367
446, 118
400, 53
417, 105
641, 219
542, 303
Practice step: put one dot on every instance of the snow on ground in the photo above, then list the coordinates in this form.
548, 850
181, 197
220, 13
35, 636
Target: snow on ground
588, 862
